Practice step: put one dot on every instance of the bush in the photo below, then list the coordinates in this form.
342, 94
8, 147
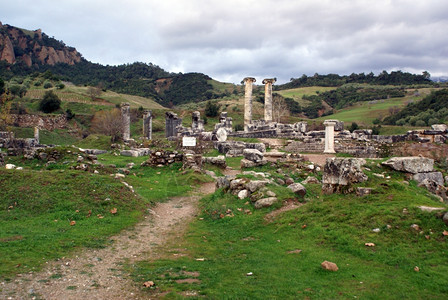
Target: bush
239, 127
60, 86
376, 130
69, 114
50, 102
211, 109
420, 123
47, 85
353, 127
376, 121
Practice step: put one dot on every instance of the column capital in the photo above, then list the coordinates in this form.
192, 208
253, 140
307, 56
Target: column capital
249, 79
269, 80
330, 122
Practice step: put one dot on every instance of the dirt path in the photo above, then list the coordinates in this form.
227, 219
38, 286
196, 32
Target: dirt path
96, 274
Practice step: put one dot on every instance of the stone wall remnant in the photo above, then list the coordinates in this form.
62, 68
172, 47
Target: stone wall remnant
197, 125
126, 116
248, 81
268, 98
147, 124
224, 122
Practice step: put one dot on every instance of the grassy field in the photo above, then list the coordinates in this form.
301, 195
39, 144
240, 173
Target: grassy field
298, 93
283, 255
50, 211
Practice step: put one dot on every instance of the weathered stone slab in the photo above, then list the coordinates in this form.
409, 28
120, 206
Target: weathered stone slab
253, 155
431, 176
340, 173
410, 164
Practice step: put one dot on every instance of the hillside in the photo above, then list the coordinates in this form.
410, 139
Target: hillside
24, 52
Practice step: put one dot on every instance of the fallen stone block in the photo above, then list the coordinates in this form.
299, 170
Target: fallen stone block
410, 164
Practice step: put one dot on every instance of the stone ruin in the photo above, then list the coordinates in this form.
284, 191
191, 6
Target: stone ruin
172, 121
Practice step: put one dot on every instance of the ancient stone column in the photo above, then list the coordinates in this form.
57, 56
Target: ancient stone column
36, 134
268, 98
329, 136
147, 124
125, 114
171, 123
248, 81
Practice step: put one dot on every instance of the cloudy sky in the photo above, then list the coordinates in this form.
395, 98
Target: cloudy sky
229, 39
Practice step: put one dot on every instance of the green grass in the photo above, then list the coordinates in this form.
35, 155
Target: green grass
55, 137
337, 227
38, 203
298, 93
36, 209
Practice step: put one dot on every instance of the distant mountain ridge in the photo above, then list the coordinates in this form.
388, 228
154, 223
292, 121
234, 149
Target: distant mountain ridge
20, 46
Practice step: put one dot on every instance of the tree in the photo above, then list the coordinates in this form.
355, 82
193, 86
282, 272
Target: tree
94, 92
211, 109
50, 102
109, 122
280, 108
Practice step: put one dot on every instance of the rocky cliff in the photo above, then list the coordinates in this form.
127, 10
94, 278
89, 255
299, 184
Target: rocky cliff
34, 48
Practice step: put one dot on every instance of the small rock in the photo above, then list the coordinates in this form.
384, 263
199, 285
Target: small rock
445, 218
327, 265
270, 194
265, 202
297, 188
376, 230
280, 181
249, 274
311, 179
416, 269
369, 244
429, 208
10, 166
118, 176
416, 227
149, 284
243, 194
289, 181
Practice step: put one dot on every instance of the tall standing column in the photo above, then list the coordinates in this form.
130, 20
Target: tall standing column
248, 81
329, 136
268, 98
125, 114
147, 124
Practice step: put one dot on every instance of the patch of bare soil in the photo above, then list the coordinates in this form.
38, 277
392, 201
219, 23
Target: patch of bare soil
318, 159
96, 274
287, 205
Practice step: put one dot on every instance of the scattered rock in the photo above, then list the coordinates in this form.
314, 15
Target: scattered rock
363, 191
118, 176
243, 194
265, 202
327, 265
148, 284
219, 161
311, 180
340, 173
253, 155
376, 230
445, 218
289, 181
270, 194
297, 188
281, 181
431, 176
369, 244
430, 209
10, 166
410, 164
255, 185
416, 227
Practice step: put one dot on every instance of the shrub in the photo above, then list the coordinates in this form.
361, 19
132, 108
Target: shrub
60, 86
50, 102
353, 127
420, 123
47, 85
211, 109
239, 127
69, 114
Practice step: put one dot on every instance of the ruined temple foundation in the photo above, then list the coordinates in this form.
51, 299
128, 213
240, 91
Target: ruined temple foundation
268, 99
248, 81
147, 124
329, 136
126, 116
